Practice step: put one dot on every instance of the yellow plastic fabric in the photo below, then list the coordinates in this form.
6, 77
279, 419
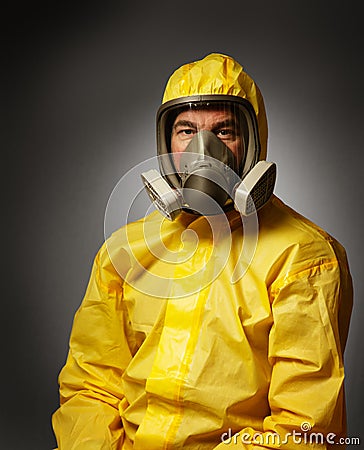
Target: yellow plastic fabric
263, 354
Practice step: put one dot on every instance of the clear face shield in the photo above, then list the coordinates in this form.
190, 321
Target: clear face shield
207, 145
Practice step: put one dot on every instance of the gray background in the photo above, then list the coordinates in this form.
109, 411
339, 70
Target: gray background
82, 86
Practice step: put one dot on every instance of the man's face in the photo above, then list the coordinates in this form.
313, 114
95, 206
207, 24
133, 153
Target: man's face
223, 123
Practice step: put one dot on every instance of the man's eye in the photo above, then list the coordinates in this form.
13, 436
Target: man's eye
225, 132
186, 131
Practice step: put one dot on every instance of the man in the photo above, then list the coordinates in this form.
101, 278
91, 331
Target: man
183, 340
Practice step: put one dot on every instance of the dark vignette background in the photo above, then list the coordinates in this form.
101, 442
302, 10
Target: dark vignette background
81, 86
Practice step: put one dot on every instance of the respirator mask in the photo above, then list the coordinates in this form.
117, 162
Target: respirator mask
208, 156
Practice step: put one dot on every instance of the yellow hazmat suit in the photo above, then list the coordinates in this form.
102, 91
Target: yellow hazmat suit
162, 359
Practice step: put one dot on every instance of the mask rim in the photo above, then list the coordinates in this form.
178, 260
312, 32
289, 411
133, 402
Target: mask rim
252, 152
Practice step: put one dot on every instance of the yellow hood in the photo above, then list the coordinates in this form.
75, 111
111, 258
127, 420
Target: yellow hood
222, 75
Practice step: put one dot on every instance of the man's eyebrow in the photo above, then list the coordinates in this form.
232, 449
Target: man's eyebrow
218, 125
225, 123
185, 123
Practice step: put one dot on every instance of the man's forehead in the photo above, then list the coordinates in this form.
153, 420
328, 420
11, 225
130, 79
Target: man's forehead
207, 115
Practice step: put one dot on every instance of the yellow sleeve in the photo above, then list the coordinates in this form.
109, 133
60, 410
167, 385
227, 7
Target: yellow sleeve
311, 311
90, 382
